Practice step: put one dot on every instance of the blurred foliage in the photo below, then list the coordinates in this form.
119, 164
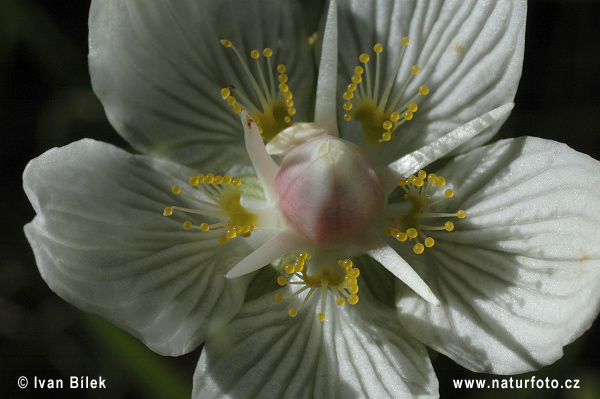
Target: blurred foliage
46, 101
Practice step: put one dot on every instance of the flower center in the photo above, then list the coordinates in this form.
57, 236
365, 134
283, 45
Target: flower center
328, 191
340, 280
419, 190
380, 117
276, 105
223, 201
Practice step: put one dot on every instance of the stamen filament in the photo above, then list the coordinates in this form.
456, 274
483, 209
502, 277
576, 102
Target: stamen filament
253, 81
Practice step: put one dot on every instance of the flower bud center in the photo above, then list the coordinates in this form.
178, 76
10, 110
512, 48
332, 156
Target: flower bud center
328, 191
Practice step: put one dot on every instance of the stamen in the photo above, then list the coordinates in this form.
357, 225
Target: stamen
419, 190
380, 119
341, 280
276, 105
224, 199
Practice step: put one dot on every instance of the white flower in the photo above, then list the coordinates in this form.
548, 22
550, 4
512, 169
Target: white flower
501, 290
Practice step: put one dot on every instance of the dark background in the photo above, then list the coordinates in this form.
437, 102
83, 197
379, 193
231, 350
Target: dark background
46, 101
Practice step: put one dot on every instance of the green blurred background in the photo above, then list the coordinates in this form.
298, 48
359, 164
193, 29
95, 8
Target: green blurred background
46, 101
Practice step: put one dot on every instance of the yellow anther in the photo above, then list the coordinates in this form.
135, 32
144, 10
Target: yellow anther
424, 90
175, 189
386, 136
351, 87
405, 40
394, 117
364, 58
348, 95
287, 119
288, 95
279, 296
412, 232
293, 312
281, 280
209, 178
231, 100
347, 106
402, 182
231, 233
429, 241
422, 174
412, 107
440, 181
187, 225
448, 193
353, 289
254, 54
321, 316
414, 69
418, 182
225, 93
378, 48
222, 240
449, 226
292, 111
282, 78
461, 214
289, 269
419, 248
227, 179
408, 115
194, 181
236, 182
353, 299
168, 211
281, 68
356, 79
387, 125
226, 43
400, 236
289, 103
237, 108
204, 227
347, 117
340, 301
359, 70
267, 52
283, 88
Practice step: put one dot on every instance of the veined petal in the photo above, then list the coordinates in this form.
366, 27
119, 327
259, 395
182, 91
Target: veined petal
520, 277
158, 67
101, 242
358, 351
469, 53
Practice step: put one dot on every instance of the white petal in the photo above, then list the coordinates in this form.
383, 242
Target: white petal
519, 277
358, 351
158, 68
101, 243
470, 55
390, 259
422, 157
325, 104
